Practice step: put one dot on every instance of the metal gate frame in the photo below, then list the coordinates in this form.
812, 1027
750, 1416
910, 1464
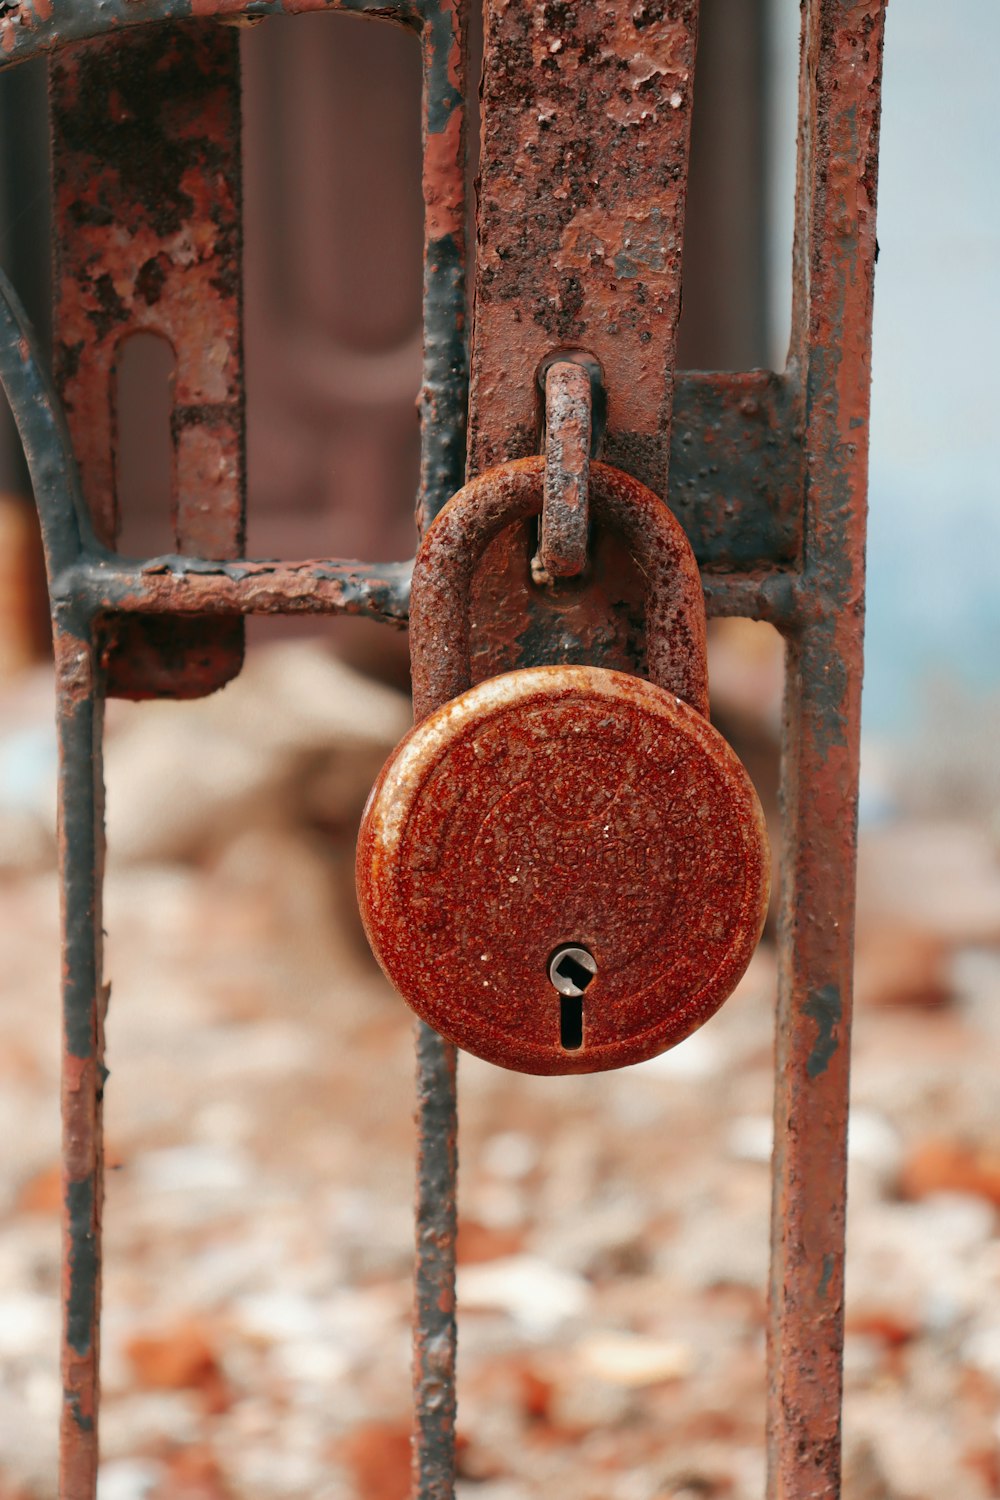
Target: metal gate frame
767, 472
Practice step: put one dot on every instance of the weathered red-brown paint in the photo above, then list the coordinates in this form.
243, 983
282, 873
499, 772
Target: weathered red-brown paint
443, 196
148, 240
244, 587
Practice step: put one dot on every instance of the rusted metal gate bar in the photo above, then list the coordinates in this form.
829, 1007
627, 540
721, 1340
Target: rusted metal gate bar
586, 118
839, 101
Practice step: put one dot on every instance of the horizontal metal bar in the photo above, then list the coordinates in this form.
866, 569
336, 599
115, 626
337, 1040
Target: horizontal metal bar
743, 518
192, 586
772, 596
30, 27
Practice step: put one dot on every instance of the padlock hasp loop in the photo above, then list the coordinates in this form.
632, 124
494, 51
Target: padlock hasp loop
454, 546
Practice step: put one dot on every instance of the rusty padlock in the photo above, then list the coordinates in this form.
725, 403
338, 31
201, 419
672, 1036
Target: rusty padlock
563, 868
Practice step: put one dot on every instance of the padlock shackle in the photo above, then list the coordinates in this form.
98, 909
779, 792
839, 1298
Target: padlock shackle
454, 545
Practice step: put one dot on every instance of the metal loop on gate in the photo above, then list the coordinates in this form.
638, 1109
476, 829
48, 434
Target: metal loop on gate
512, 492
562, 544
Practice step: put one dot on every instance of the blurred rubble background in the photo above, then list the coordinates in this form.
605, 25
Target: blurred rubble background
614, 1229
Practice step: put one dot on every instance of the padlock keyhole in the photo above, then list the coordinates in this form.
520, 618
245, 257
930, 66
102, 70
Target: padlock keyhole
571, 970
571, 1022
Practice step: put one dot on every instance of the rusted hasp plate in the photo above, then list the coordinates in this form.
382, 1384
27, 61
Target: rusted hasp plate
147, 197
583, 178
586, 119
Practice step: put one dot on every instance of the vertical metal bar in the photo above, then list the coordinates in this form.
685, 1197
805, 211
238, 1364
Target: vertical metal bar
835, 253
443, 401
66, 532
434, 1337
81, 840
444, 393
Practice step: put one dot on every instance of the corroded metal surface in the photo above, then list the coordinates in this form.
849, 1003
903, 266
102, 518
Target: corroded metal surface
579, 246
555, 806
178, 586
835, 261
562, 542
30, 392
434, 1326
148, 237
673, 611
146, 142
66, 532
81, 839
580, 230
30, 27
561, 805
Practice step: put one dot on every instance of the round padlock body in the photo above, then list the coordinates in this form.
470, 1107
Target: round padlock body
564, 869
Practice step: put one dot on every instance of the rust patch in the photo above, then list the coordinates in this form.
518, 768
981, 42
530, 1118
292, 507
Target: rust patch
444, 191
74, 664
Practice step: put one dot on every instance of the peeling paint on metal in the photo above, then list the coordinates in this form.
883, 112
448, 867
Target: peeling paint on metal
824, 1007
81, 1304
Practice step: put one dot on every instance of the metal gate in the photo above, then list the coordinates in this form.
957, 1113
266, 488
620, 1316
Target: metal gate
584, 154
